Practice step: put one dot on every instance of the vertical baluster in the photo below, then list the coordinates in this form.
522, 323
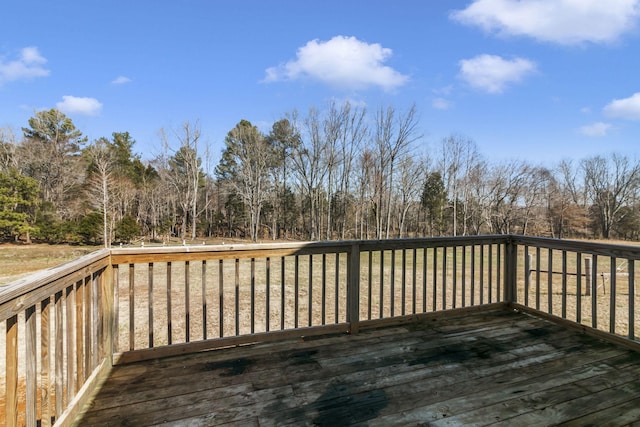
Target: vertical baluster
310, 281
69, 331
94, 329
564, 284
337, 293
481, 274
204, 299
550, 281
82, 332
253, 295
392, 282
100, 310
150, 289
464, 276
444, 277
404, 281
435, 278
455, 275
221, 297
527, 274
237, 296
424, 280
31, 383
132, 313
296, 290
267, 294
282, 293
187, 302
369, 284
169, 323
353, 288
538, 277
612, 294
45, 370
59, 354
324, 289
11, 379
498, 271
381, 303
594, 291
413, 281
578, 287
116, 309
632, 293
473, 275
490, 273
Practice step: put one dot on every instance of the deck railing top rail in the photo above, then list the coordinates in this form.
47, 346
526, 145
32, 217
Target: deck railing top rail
626, 251
54, 277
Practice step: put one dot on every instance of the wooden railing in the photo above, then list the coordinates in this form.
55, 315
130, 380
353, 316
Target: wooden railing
590, 284
230, 295
57, 340
67, 326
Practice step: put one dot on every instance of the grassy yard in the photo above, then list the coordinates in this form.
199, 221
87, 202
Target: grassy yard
17, 261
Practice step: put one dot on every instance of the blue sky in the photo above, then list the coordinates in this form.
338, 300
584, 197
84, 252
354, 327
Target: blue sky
537, 80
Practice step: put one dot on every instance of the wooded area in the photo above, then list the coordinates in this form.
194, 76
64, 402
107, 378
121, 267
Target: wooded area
338, 173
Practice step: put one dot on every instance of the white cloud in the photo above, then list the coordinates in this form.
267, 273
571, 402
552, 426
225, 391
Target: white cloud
120, 80
444, 91
79, 105
557, 21
492, 73
626, 108
597, 129
30, 64
440, 104
344, 62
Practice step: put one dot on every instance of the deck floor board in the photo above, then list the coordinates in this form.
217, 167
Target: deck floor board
497, 367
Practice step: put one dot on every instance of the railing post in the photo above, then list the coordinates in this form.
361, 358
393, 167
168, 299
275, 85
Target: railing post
353, 288
587, 275
108, 312
511, 261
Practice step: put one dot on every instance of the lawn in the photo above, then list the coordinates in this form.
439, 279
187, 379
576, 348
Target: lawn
17, 261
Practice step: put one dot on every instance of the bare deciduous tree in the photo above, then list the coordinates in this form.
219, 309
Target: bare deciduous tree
611, 184
183, 172
99, 179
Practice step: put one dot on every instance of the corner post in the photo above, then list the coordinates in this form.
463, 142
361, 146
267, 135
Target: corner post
353, 288
510, 271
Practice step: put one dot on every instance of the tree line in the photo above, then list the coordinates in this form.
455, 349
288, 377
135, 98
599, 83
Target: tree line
339, 173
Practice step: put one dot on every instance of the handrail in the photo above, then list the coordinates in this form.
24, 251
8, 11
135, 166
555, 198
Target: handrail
65, 327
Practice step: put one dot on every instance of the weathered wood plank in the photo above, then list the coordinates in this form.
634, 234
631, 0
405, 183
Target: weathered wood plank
59, 354
34, 288
11, 380
31, 356
483, 367
45, 370
624, 413
69, 331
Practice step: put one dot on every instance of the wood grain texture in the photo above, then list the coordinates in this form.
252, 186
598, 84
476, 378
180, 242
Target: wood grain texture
486, 367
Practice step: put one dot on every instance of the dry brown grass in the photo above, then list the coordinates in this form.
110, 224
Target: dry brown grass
17, 261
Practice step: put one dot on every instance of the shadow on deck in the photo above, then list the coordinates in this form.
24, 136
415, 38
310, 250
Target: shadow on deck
498, 366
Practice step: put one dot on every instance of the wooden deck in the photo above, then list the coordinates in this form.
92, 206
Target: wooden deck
495, 367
